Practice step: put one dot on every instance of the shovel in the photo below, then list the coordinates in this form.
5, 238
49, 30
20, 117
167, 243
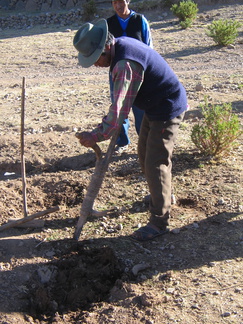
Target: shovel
101, 167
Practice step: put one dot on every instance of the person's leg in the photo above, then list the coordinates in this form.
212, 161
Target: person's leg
138, 116
142, 142
158, 165
156, 143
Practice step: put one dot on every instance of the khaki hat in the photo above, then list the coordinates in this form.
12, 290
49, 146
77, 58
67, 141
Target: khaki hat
90, 42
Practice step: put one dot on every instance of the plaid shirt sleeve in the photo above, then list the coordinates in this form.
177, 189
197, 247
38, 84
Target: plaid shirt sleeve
127, 78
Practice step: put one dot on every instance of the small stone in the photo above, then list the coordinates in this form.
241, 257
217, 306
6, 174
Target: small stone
195, 225
50, 253
103, 224
199, 87
149, 322
147, 251
175, 231
120, 227
216, 293
221, 201
226, 314
170, 291
166, 299
144, 299
44, 274
212, 264
173, 199
110, 230
139, 267
143, 277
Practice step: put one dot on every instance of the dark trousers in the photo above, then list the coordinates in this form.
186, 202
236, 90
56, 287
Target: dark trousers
155, 148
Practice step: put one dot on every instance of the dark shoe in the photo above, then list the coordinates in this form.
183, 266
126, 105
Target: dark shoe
147, 233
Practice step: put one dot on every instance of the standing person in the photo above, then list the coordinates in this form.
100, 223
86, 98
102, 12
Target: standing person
126, 22
141, 77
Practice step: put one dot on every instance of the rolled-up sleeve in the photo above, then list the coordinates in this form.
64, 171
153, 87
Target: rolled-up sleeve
127, 77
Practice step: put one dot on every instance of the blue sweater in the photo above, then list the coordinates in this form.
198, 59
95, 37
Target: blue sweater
161, 95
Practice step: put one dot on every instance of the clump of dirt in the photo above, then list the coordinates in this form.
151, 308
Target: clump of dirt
68, 193
187, 202
73, 282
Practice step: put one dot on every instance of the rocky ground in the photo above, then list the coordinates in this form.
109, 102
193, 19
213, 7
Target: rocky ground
192, 274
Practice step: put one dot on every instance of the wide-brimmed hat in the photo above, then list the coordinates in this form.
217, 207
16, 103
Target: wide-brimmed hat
90, 42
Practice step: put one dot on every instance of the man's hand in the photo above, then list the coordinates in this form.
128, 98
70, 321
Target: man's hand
86, 139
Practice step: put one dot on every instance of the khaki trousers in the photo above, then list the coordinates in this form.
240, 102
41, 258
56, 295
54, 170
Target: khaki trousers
155, 148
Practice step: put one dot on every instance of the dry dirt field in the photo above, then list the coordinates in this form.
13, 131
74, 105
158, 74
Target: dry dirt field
193, 274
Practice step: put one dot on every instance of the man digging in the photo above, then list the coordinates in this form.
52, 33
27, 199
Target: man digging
143, 78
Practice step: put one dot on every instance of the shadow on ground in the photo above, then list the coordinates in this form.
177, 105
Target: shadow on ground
82, 273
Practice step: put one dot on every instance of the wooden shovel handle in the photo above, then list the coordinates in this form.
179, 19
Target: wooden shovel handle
101, 167
96, 147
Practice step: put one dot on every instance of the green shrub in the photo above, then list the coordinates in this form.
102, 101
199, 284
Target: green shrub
186, 23
215, 136
224, 32
186, 11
